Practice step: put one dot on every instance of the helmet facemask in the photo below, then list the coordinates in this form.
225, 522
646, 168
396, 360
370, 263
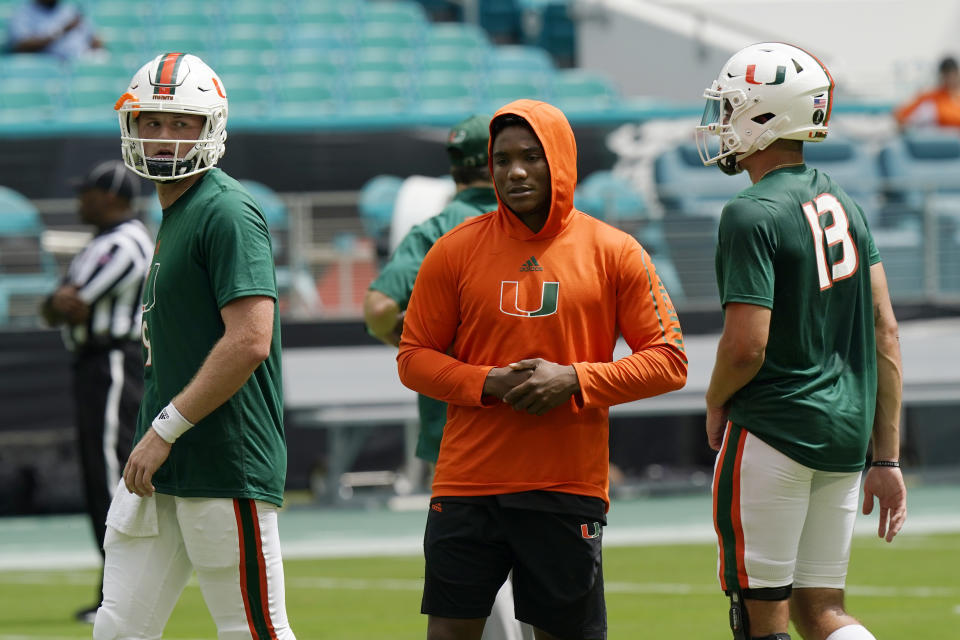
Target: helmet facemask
203, 154
717, 140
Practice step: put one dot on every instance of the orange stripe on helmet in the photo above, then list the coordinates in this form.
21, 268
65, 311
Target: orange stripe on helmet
166, 72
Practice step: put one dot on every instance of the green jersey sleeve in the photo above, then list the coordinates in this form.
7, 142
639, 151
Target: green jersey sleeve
398, 275
746, 247
239, 253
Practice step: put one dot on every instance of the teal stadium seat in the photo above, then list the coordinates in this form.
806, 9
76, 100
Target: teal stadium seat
448, 93
245, 66
502, 87
255, 14
377, 93
331, 13
520, 58
253, 100
453, 59
307, 95
30, 67
457, 35
383, 60
320, 37
852, 167
119, 14
377, 197
693, 197
198, 15
581, 90
250, 37
921, 172
610, 197
92, 101
921, 163
320, 62
27, 272
399, 13
399, 36
29, 101
195, 40
127, 44
500, 19
686, 187
111, 72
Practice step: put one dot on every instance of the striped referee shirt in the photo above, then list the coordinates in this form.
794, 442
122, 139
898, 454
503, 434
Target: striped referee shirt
109, 275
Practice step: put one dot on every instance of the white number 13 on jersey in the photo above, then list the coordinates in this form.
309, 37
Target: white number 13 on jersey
836, 233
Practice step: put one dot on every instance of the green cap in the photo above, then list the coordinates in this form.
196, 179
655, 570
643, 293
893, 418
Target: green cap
468, 140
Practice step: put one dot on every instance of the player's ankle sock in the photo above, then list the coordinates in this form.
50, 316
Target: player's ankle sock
851, 632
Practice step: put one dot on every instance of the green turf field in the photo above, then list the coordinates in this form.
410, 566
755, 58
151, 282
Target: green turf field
908, 589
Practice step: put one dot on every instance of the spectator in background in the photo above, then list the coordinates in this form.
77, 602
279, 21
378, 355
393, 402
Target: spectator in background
938, 107
51, 26
98, 306
389, 294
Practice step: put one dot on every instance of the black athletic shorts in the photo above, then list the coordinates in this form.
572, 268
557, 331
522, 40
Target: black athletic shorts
470, 546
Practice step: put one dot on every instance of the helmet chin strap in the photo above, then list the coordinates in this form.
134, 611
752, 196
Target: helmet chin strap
729, 165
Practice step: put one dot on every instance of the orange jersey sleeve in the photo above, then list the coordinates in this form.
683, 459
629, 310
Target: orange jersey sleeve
429, 328
649, 325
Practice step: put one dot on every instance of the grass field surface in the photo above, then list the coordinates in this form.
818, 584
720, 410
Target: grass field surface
357, 573
908, 589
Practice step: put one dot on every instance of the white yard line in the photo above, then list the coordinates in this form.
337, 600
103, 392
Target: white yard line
393, 584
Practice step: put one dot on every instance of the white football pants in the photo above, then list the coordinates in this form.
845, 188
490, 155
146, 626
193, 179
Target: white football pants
234, 546
778, 521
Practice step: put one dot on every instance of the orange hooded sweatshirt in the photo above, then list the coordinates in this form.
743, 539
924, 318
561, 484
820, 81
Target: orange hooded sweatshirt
491, 292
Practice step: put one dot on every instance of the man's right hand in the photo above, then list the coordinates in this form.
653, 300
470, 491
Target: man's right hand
501, 380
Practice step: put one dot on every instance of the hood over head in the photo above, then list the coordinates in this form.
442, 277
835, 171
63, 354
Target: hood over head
556, 136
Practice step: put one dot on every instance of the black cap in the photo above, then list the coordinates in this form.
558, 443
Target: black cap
113, 177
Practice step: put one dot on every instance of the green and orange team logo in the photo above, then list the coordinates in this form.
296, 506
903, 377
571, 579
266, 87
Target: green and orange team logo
591, 530
510, 299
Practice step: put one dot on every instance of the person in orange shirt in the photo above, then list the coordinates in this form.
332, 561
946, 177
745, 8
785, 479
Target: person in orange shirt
513, 321
939, 107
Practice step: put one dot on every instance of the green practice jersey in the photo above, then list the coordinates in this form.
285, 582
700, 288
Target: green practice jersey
796, 243
213, 247
396, 281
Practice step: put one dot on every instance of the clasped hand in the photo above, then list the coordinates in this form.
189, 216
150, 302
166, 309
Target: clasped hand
534, 385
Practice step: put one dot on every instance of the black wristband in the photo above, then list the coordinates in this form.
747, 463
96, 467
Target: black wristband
885, 463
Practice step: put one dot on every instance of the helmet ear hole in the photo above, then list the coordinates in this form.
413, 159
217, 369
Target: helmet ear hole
763, 118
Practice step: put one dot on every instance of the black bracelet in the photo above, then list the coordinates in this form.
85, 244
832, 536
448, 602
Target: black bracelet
885, 463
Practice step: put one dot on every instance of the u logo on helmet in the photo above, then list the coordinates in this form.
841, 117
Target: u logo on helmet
752, 70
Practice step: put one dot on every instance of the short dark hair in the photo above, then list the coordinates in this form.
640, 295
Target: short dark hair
501, 122
466, 175
947, 65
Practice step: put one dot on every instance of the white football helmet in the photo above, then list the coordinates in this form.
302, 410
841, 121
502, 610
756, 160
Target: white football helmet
174, 83
765, 92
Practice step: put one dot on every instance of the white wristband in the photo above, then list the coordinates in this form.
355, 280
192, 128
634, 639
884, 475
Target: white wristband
169, 424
